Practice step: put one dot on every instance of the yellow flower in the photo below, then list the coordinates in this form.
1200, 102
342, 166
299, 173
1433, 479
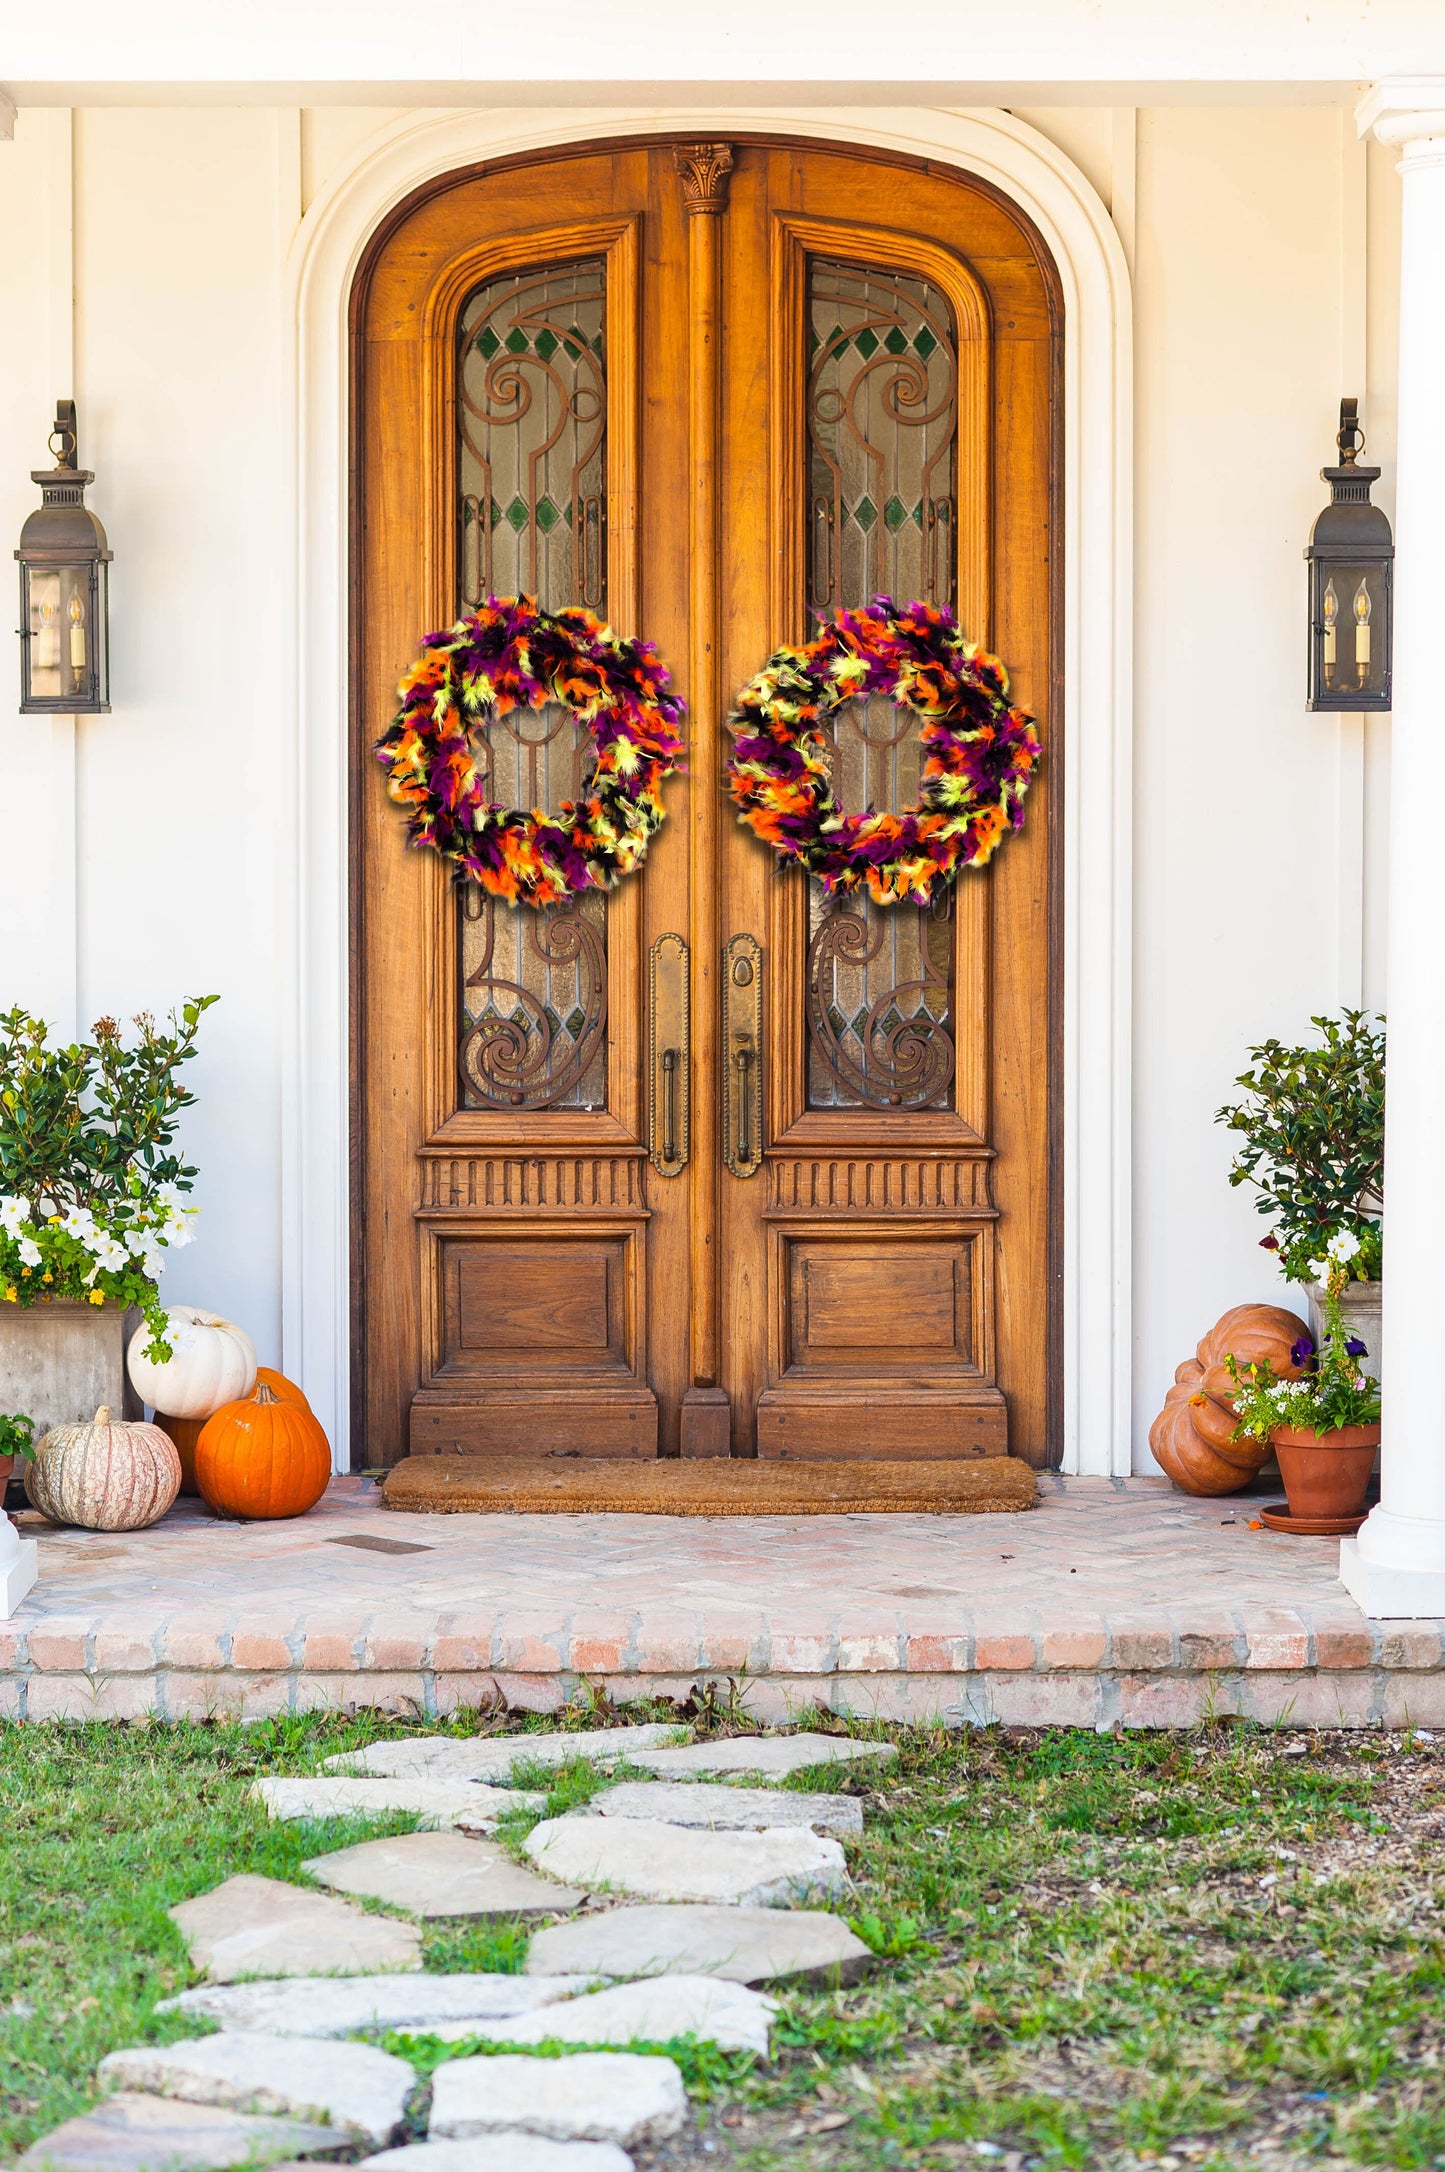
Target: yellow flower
97, 1297
10, 1293
25, 1274
47, 1276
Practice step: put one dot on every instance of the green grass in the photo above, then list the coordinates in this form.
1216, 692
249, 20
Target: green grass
1078, 1964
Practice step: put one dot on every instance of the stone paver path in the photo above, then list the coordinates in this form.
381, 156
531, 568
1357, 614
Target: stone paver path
502, 2153
152, 2134
745, 1945
441, 1757
253, 1926
770, 1757
437, 1805
289, 2074
594, 2096
352, 2005
707, 2007
355, 2087
729, 1809
442, 1874
658, 1862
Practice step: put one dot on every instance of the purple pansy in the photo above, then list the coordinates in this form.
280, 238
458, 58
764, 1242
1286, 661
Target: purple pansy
1355, 1348
1301, 1351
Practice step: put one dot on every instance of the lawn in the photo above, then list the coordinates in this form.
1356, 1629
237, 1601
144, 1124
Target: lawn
1217, 1950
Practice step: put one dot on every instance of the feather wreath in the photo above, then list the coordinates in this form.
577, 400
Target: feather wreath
980, 752
510, 654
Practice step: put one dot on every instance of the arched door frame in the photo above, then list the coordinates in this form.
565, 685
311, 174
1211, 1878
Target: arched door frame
1097, 647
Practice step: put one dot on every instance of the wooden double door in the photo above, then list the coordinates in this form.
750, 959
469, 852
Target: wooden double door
708, 1164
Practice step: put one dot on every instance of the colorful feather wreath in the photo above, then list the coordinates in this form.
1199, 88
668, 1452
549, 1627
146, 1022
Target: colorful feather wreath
509, 654
980, 752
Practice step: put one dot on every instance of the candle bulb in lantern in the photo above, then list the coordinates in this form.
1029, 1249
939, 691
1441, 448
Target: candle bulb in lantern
1362, 633
47, 637
77, 634
1332, 612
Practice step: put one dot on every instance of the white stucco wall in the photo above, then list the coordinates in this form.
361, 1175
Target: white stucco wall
1263, 251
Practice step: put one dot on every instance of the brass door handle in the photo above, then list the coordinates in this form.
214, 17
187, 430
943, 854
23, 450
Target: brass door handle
669, 1105
743, 1055
669, 1038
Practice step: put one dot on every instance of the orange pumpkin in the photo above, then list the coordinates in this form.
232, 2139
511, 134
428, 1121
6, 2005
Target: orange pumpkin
183, 1433
261, 1457
284, 1390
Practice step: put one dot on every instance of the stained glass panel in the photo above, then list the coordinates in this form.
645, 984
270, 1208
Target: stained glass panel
532, 473
532, 416
882, 427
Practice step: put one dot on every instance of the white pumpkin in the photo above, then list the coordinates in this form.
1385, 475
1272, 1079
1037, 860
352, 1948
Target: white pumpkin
212, 1362
104, 1476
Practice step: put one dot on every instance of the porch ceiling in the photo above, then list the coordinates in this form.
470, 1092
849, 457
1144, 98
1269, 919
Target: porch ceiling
451, 52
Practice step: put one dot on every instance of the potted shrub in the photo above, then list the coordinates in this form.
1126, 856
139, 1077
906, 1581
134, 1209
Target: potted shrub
1312, 1122
17, 1434
1324, 1426
92, 1200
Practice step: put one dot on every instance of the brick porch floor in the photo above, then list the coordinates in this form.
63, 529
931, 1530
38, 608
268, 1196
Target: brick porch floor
1114, 1601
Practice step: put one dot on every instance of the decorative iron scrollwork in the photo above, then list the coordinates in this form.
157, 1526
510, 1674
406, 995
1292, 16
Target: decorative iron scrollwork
515, 1055
905, 1058
532, 418
882, 412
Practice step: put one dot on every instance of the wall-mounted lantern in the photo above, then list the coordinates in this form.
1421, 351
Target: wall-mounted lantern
1351, 578
64, 605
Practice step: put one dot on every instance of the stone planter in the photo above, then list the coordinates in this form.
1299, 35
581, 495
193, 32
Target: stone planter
1326, 1475
61, 1360
1360, 1311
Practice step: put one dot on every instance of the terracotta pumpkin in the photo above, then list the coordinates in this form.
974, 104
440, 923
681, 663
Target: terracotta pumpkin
1192, 1437
108, 1475
212, 1361
259, 1457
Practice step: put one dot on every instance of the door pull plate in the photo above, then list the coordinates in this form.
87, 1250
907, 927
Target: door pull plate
742, 1052
669, 1047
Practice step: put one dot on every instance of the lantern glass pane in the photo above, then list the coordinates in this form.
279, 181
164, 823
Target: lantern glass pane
45, 622
63, 633
1354, 617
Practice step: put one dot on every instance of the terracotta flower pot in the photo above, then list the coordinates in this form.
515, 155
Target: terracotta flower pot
1326, 1474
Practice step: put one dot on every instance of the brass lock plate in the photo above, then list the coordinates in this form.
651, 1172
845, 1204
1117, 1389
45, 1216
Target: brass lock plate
669, 1035
742, 1051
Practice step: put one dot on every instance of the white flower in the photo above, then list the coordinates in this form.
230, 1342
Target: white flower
1343, 1245
29, 1252
14, 1214
1318, 1270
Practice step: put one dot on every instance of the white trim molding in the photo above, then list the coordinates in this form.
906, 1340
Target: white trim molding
1097, 658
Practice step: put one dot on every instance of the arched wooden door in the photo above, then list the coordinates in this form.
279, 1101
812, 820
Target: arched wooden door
705, 1165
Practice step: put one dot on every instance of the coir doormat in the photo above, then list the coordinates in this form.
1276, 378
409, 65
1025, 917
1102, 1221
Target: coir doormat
720, 1486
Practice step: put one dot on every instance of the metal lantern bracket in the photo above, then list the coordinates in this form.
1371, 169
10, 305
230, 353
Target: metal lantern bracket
64, 588
1351, 585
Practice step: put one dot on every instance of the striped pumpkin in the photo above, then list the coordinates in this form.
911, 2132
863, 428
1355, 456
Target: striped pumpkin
109, 1475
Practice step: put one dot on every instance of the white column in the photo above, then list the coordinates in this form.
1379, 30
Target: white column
1396, 1565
